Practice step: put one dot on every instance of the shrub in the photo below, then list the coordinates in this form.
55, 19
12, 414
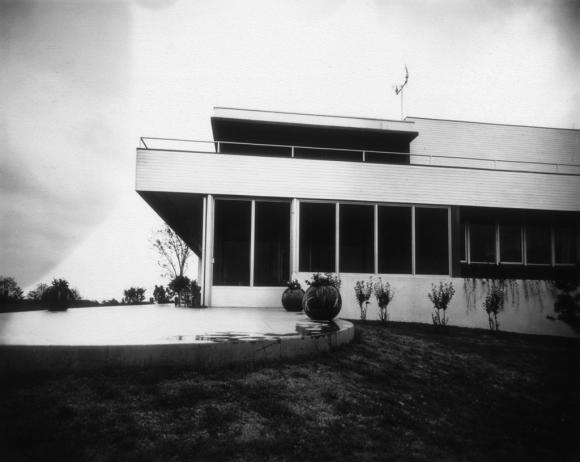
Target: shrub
58, 297
440, 296
567, 304
195, 293
493, 304
160, 295
134, 295
384, 295
293, 284
363, 291
325, 279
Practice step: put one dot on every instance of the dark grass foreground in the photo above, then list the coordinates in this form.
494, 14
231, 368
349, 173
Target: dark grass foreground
402, 392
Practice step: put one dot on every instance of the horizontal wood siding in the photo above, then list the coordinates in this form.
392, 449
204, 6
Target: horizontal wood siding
494, 142
222, 174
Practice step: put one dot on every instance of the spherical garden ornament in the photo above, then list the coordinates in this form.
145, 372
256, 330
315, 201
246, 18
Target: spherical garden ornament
322, 300
292, 296
57, 297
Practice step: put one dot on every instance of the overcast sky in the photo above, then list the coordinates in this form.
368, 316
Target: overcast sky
80, 81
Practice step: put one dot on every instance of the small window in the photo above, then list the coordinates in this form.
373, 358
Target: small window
317, 237
395, 235
510, 243
565, 244
431, 240
482, 242
538, 244
356, 238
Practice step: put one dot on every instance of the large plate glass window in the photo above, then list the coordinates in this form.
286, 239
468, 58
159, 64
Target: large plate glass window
564, 244
232, 243
510, 243
272, 243
395, 240
356, 238
431, 240
538, 244
317, 237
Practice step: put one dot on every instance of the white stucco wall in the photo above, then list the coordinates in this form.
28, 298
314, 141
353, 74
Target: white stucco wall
528, 303
526, 309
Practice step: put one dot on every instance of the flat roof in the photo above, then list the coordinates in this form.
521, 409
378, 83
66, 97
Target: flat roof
299, 118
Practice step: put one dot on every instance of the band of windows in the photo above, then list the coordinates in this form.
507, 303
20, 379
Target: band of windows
550, 244
360, 238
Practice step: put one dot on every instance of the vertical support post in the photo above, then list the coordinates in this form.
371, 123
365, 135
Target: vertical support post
252, 241
337, 239
449, 242
413, 246
201, 265
294, 237
209, 238
376, 238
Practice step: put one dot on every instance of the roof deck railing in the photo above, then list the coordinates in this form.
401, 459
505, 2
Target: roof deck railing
437, 160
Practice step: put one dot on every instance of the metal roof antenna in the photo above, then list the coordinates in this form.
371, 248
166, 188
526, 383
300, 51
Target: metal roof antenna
399, 88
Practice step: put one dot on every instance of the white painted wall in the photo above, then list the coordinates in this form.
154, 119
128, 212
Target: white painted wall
222, 174
525, 310
246, 296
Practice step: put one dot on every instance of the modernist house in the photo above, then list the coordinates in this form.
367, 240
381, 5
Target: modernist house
277, 196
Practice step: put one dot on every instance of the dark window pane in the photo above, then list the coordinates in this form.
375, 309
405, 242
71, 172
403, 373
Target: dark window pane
462, 231
272, 243
395, 236
317, 237
232, 243
356, 238
431, 241
482, 242
510, 243
565, 244
538, 244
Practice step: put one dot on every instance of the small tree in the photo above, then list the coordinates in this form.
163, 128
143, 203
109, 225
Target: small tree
134, 295
440, 296
36, 294
181, 285
76, 295
173, 251
493, 304
160, 295
363, 291
58, 297
384, 295
9, 289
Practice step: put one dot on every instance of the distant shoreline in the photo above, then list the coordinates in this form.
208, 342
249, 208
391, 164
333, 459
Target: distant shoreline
36, 305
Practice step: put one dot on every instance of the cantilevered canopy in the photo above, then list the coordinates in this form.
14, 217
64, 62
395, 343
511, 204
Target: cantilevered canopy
182, 212
311, 130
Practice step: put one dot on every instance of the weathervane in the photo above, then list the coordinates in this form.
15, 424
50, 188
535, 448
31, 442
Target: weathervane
399, 88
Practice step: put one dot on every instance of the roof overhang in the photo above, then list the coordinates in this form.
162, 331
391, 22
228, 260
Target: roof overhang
286, 128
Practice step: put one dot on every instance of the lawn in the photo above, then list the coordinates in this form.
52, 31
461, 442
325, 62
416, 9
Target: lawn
401, 392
